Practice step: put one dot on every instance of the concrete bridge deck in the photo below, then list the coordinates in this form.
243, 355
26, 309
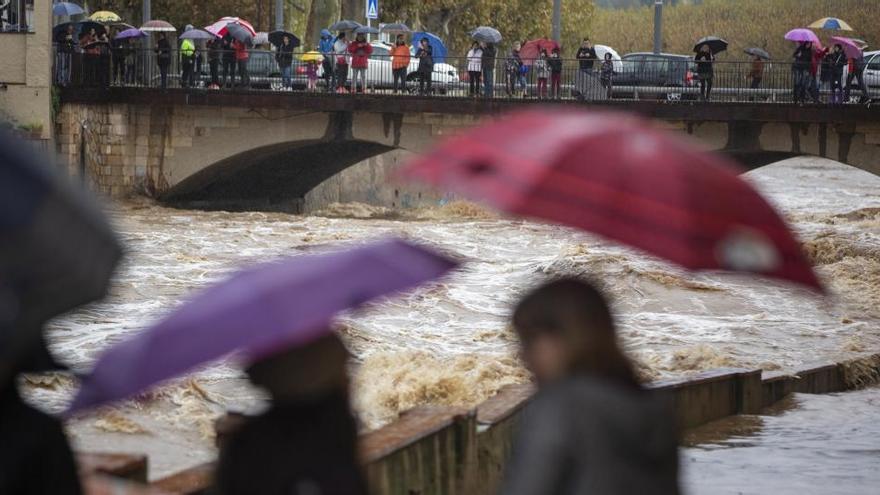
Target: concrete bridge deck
199, 147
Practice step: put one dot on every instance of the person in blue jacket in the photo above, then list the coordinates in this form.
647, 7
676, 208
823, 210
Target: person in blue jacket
325, 46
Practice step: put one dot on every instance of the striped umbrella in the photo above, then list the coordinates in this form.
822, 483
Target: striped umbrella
219, 27
158, 26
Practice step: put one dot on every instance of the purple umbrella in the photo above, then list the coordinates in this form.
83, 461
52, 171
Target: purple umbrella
802, 35
850, 47
130, 34
258, 311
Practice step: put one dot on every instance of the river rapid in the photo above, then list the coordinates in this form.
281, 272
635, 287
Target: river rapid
449, 343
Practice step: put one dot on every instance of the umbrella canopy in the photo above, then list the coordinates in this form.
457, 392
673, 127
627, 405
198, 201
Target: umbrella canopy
259, 311
437, 46
862, 43
801, 35
240, 33
619, 177
366, 30
57, 251
344, 25
616, 61
395, 28
758, 52
850, 47
105, 16
716, 44
130, 34
197, 34
66, 8
531, 49
486, 34
831, 24
86, 26
312, 56
157, 26
220, 26
277, 38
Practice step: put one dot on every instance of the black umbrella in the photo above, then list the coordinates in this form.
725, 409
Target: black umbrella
486, 34
366, 30
716, 44
57, 251
60, 30
277, 38
240, 33
396, 28
344, 25
85, 26
758, 52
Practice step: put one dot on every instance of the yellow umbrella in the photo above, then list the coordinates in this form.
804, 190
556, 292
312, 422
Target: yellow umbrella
831, 24
105, 16
312, 56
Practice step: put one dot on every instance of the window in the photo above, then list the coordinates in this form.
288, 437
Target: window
380, 52
16, 16
874, 63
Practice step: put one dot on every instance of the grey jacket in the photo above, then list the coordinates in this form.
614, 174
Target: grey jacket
590, 436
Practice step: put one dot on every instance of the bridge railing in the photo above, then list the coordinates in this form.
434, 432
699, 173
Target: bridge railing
669, 79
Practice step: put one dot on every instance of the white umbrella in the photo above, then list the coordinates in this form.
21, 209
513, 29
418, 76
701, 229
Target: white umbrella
616, 61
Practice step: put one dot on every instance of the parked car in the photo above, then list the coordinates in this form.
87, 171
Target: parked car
657, 70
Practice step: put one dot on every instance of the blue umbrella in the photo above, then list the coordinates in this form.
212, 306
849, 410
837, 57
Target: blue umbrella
437, 46
67, 8
130, 34
486, 34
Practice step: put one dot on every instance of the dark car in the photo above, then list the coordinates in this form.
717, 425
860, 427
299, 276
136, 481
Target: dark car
657, 70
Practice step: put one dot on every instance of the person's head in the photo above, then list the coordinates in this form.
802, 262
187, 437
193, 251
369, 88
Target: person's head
483, 44
566, 328
543, 54
91, 31
808, 44
586, 43
475, 45
361, 37
161, 36
705, 49
608, 57
517, 46
341, 35
424, 42
555, 53
400, 41
285, 40
305, 372
70, 29
325, 34
838, 48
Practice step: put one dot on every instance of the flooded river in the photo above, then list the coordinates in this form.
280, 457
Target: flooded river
805, 444
449, 343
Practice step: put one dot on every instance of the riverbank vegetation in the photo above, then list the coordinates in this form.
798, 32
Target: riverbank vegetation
744, 23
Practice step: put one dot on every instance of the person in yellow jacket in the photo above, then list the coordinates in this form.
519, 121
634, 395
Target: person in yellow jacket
187, 62
400, 57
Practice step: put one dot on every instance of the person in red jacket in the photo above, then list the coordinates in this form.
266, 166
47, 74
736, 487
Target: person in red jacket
360, 51
241, 58
818, 55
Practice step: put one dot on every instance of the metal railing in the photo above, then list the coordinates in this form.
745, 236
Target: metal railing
673, 80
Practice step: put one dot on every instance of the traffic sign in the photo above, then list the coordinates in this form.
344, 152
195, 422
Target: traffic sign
372, 9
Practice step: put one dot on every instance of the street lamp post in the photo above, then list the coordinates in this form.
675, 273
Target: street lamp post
279, 15
557, 21
658, 25
146, 14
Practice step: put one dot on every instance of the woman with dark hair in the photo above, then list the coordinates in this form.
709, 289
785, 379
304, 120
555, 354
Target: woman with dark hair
425, 55
306, 442
591, 428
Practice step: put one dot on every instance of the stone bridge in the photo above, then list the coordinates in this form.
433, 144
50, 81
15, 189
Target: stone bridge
268, 150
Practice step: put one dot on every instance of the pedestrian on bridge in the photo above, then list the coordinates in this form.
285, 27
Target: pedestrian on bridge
586, 55
325, 46
838, 62
474, 68
228, 62
803, 58
284, 58
215, 56
555, 64
187, 63
606, 75
241, 59
340, 48
542, 73
400, 59
360, 51
487, 63
705, 71
425, 54
818, 55
163, 58
513, 72
591, 427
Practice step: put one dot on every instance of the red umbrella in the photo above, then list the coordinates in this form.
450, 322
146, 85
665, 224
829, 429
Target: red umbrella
619, 177
531, 49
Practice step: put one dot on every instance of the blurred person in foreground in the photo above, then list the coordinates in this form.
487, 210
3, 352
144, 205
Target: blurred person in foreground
591, 428
306, 442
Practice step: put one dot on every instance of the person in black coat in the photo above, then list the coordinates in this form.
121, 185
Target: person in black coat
425, 55
487, 63
591, 427
306, 443
229, 65
163, 58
